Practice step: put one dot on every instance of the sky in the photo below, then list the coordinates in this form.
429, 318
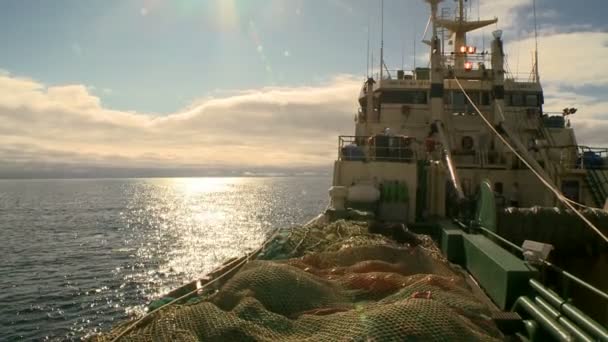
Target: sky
206, 87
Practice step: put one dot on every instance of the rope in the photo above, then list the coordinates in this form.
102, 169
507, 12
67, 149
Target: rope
582, 205
236, 266
557, 193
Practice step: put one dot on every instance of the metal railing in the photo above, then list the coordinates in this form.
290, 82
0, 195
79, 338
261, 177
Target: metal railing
378, 148
583, 157
394, 74
554, 314
593, 157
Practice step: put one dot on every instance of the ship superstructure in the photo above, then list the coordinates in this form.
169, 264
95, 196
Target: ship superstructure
431, 115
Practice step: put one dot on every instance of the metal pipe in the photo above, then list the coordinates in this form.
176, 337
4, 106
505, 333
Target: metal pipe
571, 327
578, 281
548, 323
570, 311
531, 328
501, 239
448, 158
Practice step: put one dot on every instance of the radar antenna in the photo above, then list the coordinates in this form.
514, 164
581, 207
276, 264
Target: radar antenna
536, 72
459, 28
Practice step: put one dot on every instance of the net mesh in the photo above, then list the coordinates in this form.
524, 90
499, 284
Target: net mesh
335, 282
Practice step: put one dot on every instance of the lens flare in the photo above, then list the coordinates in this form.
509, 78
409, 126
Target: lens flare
228, 15
253, 33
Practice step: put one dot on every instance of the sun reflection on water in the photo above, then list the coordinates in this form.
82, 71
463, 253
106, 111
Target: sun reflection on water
185, 228
196, 186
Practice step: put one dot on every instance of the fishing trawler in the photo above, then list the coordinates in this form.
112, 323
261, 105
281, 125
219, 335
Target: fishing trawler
452, 206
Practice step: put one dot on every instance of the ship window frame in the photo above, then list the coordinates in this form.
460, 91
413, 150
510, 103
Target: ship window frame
460, 96
529, 96
405, 97
523, 99
516, 99
479, 97
485, 98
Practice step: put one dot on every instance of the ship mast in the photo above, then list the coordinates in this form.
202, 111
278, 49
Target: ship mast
536, 72
381, 39
459, 28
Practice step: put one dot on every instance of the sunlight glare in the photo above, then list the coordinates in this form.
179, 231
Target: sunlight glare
200, 186
228, 15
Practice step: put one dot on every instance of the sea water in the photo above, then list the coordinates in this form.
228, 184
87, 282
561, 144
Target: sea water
80, 255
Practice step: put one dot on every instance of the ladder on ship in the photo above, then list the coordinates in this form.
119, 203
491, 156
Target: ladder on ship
597, 181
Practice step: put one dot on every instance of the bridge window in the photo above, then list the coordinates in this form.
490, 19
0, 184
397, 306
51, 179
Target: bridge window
523, 99
457, 98
532, 100
485, 98
517, 99
404, 97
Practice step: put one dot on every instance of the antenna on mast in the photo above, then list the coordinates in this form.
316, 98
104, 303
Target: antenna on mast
414, 40
372, 64
381, 38
537, 73
402, 51
368, 39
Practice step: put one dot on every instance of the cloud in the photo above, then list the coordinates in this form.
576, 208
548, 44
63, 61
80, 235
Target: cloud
271, 127
591, 120
591, 132
505, 10
570, 63
576, 58
287, 127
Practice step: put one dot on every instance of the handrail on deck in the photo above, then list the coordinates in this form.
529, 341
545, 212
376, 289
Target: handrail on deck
390, 148
580, 157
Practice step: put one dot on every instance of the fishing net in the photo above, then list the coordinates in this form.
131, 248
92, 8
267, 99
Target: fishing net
335, 282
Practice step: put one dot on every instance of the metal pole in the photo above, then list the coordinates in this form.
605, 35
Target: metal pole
381, 40
571, 327
570, 311
548, 323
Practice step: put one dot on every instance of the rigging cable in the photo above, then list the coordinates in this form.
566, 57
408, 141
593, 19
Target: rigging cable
557, 193
426, 29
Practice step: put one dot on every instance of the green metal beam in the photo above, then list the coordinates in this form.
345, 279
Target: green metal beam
486, 207
501, 274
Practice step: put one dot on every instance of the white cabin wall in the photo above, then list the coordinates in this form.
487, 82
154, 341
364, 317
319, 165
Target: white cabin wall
348, 172
531, 190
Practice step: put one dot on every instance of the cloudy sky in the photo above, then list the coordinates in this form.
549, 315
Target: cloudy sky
159, 87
